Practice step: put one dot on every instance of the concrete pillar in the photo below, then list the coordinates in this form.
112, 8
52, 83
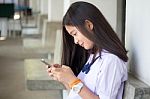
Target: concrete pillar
3, 26
35, 5
43, 14
58, 47
55, 10
66, 5
44, 7
120, 20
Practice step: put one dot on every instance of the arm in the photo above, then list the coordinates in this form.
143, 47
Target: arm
85, 93
66, 76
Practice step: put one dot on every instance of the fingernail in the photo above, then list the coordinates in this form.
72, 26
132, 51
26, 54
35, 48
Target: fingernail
48, 66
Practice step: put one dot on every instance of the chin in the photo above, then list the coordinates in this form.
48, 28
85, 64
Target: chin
87, 48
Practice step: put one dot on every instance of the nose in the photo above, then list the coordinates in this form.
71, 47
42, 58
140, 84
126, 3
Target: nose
76, 40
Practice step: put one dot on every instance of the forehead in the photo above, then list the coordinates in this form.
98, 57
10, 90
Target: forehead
70, 28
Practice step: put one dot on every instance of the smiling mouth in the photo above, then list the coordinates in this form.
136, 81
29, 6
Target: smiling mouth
81, 45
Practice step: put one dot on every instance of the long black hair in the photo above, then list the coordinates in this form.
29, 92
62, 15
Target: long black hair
103, 35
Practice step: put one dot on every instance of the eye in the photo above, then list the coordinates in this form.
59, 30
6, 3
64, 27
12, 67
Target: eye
74, 34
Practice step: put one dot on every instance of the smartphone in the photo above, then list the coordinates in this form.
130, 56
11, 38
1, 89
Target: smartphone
46, 63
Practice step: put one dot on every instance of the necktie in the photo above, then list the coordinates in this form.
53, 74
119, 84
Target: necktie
86, 67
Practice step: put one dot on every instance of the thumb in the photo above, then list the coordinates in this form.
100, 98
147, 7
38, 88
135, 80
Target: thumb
64, 66
57, 66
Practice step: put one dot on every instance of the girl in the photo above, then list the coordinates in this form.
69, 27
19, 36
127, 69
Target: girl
93, 58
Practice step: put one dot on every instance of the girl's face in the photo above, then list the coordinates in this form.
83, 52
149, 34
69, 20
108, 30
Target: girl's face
79, 38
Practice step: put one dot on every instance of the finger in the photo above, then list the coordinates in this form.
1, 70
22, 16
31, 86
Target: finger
49, 69
47, 66
56, 70
55, 78
57, 65
64, 66
50, 74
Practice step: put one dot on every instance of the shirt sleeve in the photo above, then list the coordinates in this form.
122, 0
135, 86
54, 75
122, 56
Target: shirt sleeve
110, 77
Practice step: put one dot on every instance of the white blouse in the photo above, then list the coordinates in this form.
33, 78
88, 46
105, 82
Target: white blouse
105, 78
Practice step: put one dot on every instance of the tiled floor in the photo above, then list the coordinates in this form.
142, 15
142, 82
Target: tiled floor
12, 74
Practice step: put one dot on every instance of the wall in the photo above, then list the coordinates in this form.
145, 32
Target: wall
138, 38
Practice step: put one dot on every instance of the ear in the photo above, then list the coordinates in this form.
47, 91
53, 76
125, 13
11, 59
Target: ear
89, 25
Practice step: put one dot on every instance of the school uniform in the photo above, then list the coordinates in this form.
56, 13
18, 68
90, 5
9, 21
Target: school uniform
105, 77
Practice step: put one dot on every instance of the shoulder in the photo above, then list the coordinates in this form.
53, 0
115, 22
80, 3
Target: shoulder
111, 61
109, 57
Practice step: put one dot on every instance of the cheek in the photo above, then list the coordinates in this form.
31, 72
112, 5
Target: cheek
89, 44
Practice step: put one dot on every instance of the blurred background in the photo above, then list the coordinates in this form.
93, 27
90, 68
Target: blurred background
31, 30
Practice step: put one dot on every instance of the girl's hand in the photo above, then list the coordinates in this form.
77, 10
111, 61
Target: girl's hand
50, 68
62, 73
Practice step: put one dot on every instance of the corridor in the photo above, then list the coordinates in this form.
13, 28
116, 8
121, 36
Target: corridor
13, 52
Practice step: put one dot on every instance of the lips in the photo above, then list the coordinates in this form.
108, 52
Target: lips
82, 45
